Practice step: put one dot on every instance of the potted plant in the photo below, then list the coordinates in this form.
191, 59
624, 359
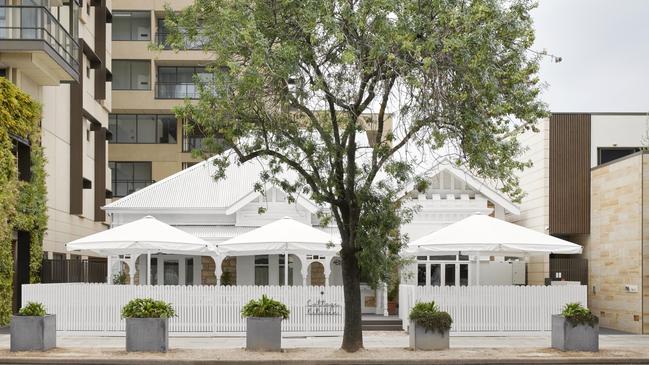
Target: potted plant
429, 327
147, 324
575, 329
33, 329
264, 324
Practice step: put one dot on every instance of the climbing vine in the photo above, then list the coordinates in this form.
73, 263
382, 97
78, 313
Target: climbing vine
22, 203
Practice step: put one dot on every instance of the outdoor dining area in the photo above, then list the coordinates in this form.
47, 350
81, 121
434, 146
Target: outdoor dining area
463, 250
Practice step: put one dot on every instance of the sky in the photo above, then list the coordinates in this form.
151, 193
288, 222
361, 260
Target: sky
604, 46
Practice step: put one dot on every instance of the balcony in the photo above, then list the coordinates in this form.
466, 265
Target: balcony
176, 90
33, 40
161, 40
123, 188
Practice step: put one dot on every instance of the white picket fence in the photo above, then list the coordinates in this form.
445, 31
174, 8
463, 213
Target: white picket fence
494, 310
94, 309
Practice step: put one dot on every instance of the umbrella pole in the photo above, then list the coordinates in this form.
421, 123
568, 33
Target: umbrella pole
148, 268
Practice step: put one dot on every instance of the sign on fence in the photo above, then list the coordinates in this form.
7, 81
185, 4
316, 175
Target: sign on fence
494, 309
94, 309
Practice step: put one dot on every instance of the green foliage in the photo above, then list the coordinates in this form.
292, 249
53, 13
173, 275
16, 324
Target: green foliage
147, 308
22, 204
33, 309
430, 317
120, 278
576, 314
265, 307
346, 101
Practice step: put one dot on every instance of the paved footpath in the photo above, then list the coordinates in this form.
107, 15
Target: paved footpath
381, 348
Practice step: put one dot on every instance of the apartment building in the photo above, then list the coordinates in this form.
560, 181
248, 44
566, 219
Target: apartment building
57, 52
586, 186
148, 142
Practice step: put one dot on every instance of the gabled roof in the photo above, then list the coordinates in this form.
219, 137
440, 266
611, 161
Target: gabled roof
475, 184
196, 188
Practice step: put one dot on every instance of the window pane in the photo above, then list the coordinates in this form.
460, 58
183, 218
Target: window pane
166, 74
121, 75
141, 171
141, 26
185, 74
171, 272
443, 258
261, 260
154, 271
435, 274
146, 129
167, 129
121, 26
126, 128
123, 171
464, 274
189, 271
449, 271
140, 75
261, 275
421, 274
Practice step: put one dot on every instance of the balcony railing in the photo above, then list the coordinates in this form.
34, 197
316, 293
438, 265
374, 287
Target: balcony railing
176, 90
22, 22
124, 187
161, 40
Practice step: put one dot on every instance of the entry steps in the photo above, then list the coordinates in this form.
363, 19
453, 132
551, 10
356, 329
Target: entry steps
380, 323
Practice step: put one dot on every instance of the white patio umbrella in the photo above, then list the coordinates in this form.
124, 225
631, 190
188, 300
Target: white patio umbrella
282, 236
481, 234
143, 236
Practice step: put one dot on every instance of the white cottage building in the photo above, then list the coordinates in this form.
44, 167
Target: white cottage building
216, 211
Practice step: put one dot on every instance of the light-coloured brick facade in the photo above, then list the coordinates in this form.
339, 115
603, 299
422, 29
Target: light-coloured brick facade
614, 248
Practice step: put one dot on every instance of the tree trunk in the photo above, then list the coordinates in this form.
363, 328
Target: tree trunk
353, 335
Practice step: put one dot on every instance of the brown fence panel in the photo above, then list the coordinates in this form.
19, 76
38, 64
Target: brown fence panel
569, 269
73, 271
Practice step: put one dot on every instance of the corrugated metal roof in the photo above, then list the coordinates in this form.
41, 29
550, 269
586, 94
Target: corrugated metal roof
195, 187
221, 233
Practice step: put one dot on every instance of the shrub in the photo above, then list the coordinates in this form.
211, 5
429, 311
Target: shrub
32, 309
430, 317
120, 278
147, 308
577, 314
265, 307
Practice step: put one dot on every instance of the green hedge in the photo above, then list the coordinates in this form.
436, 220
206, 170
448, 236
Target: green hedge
22, 204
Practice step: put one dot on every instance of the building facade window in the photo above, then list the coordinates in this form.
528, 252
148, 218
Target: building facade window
193, 137
261, 270
178, 82
131, 75
143, 128
608, 154
446, 270
186, 165
131, 26
128, 177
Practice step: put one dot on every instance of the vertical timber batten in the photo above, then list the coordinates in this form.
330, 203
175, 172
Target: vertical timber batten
76, 140
100, 174
570, 174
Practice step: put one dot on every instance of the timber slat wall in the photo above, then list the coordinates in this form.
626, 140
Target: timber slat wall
569, 173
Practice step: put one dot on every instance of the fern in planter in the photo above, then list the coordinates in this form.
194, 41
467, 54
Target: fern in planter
576, 314
147, 308
430, 317
265, 307
32, 309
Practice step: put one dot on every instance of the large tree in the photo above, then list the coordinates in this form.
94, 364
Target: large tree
299, 83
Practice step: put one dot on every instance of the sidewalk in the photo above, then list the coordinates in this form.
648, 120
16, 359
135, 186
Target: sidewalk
382, 348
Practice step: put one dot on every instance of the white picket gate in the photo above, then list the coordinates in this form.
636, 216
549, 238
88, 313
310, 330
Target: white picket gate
494, 310
94, 309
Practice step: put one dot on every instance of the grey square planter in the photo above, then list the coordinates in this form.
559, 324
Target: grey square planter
147, 334
264, 333
420, 339
33, 333
565, 337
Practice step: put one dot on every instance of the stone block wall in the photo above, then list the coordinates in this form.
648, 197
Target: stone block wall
229, 266
645, 244
614, 248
